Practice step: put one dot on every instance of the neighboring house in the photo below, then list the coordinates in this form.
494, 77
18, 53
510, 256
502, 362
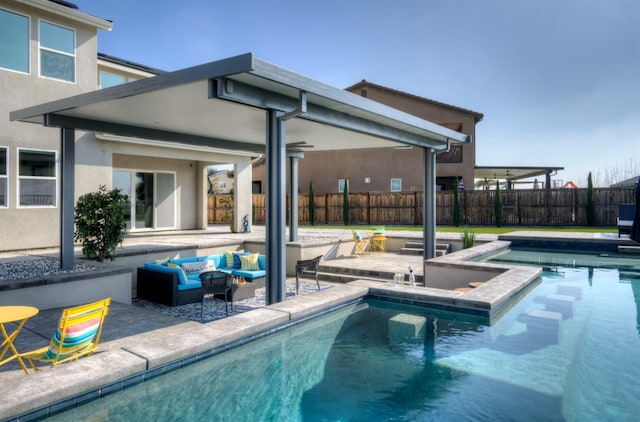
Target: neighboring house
220, 182
628, 183
48, 51
388, 169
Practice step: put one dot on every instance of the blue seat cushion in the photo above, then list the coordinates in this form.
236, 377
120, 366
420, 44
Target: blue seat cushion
193, 282
250, 274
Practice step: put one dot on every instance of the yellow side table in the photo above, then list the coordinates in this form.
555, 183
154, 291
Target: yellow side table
14, 314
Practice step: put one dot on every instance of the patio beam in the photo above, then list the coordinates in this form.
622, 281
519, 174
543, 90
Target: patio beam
232, 90
59, 120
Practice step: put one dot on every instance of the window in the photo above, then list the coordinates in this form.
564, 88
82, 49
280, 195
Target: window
14, 41
341, 184
57, 52
4, 164
108, 79
223, 185
396, 185
36, 178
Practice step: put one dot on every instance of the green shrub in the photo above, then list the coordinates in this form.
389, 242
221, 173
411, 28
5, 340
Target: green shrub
468, 238
99, 220
456, 203
312, 205
497, 205
345, 203
591, 204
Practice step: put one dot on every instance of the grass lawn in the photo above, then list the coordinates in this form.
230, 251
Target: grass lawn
480, 229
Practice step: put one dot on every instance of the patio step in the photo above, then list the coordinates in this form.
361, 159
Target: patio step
412, 247
345, 275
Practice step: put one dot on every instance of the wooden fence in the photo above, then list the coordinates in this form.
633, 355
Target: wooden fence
539, 207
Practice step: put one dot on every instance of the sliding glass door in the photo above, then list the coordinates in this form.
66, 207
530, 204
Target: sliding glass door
152, 198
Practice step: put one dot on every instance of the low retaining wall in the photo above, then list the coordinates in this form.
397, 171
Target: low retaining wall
72, 289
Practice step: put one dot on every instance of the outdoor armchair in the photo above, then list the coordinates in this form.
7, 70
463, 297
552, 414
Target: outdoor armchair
307, 267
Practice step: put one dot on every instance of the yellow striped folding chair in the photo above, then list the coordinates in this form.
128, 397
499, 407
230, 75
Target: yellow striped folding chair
360, 244
78, 334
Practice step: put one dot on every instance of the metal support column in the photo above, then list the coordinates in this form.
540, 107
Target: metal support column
429, 204
293, 193
67, 192
276, 209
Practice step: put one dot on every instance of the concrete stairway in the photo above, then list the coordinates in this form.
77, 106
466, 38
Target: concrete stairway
414, 247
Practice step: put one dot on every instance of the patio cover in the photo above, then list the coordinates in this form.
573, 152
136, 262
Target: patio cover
244, 105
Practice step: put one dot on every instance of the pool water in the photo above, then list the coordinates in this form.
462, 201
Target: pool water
342, 366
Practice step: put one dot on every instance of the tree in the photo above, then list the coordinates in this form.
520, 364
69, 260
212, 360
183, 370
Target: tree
497, 205
99, 220
615, 172
312, 205
590, 205
456, 203
345, 202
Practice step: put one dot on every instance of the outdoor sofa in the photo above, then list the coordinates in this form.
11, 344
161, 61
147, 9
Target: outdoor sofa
175, 282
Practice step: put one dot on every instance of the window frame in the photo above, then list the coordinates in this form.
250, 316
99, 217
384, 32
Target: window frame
62, 53
5, 176
395, 179
341, 183
28, 72
19, 178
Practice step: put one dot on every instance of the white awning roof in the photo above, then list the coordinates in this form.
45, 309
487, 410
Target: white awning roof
223, 105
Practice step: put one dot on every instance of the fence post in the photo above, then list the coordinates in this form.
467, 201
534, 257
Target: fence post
369, 208
415, 208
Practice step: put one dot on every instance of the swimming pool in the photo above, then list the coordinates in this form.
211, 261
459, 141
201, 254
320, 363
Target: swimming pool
342, 367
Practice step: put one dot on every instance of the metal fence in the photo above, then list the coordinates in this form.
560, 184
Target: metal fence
538, 207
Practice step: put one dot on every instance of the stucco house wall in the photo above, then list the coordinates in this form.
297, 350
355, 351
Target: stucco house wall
23, 227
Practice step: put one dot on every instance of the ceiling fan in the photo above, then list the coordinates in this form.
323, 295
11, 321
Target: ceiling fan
297, 145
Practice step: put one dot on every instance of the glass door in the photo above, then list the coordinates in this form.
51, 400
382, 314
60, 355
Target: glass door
122, 181
165, 201
151, 199
144, 207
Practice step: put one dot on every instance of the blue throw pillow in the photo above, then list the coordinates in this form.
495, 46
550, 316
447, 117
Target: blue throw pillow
236, 259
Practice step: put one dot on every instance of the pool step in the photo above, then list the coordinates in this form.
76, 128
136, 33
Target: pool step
413, 247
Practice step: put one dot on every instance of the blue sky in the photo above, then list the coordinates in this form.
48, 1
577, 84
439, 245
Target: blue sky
558, 81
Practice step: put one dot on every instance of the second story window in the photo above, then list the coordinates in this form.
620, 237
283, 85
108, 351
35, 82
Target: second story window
57, 52
396, 185
14, 41
108, 79
341, 184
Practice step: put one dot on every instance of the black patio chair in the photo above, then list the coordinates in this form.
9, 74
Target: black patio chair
216, 283
308, 268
